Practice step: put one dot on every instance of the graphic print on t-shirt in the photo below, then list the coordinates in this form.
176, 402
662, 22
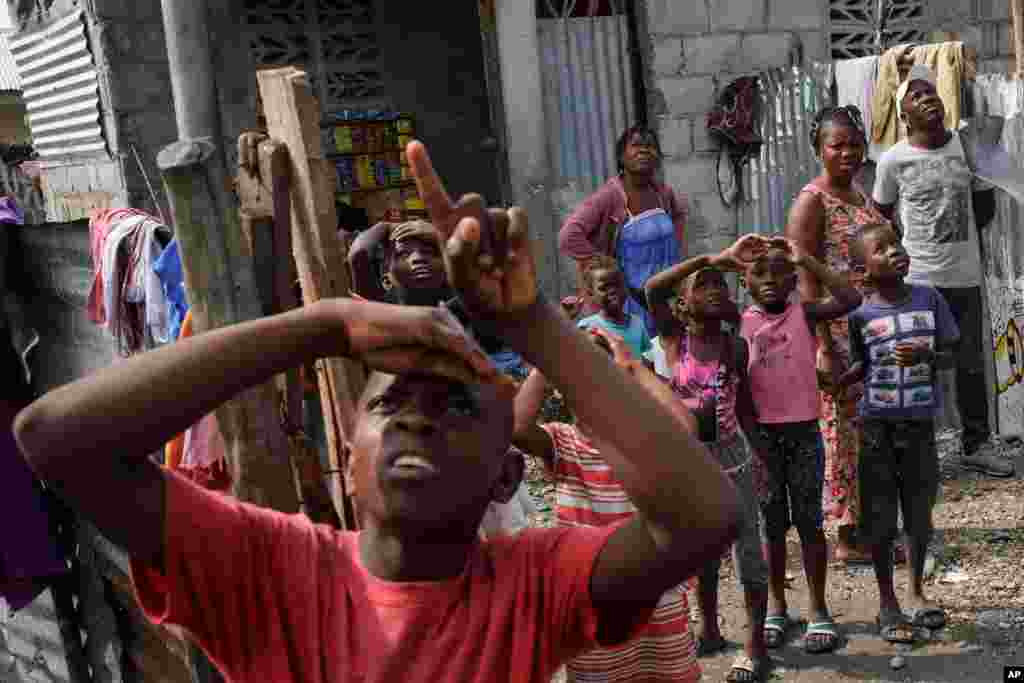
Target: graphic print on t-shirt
889, 385
936, 190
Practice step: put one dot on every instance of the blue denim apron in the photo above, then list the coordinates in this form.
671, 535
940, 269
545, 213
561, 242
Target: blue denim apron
646, 245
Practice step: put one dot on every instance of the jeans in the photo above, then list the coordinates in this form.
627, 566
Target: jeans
971, 390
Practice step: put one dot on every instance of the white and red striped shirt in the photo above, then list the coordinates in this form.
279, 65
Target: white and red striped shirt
587, 493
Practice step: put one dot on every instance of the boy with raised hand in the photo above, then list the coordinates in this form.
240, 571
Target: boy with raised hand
415, 595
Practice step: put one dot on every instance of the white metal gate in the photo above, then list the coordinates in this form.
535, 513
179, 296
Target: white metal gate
589, 91
790, 98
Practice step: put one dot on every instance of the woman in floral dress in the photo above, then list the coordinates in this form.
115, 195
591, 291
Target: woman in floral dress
825, 217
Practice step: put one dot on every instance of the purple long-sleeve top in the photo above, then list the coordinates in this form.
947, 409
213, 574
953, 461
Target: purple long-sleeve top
585, 233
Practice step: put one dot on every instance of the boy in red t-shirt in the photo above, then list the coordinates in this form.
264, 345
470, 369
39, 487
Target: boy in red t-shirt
415, 595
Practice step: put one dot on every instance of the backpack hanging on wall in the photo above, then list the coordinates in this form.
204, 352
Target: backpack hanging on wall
735, 122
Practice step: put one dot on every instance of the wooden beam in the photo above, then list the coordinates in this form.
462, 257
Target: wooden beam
1017, 9
220, 278
293, 116
263, 187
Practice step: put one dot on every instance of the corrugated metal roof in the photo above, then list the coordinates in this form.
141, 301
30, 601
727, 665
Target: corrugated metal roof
9, 78
60, 87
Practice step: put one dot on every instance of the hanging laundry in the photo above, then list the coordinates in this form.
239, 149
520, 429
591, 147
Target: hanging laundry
951, 69
10, 212
855, 85
172, 276
29, 554
127, 296
199, 453
884, 117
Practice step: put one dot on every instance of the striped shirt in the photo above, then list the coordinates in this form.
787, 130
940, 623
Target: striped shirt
587, 493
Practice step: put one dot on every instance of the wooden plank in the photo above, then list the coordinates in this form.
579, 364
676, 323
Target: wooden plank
221, 283
293, 116
1017, 9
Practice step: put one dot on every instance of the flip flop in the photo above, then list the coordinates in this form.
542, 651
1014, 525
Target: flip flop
928, 617
746, 670
706, 648
894, 628
821, 645
775, 628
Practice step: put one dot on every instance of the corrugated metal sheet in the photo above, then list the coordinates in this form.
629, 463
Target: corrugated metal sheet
790, 98
588, 100
9, 79
60, 87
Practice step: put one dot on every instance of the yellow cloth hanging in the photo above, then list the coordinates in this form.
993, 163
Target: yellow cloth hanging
884, 119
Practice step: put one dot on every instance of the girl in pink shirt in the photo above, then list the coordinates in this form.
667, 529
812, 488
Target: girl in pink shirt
779, 330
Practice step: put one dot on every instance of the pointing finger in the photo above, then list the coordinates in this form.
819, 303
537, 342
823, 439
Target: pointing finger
428, 184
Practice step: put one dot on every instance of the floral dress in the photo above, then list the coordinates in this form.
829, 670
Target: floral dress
840, 425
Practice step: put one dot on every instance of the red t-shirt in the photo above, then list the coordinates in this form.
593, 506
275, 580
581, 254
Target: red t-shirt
273, 597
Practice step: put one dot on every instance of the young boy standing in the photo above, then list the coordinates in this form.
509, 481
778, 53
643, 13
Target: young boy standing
897, 336
709, 374
606, 287
588, 494
414, 596
784, 386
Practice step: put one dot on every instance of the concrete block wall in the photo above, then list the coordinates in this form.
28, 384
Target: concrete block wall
695, 49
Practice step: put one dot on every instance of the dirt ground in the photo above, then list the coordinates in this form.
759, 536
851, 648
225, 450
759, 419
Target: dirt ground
978, 577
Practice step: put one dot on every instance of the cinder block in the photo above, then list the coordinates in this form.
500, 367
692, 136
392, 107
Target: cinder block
796, 14
702, 141
710, 54
668, 56
676, 137
692, 176
815, 46
767, 50
1004, 44
693, 95
995, 9
736, 14
673, 16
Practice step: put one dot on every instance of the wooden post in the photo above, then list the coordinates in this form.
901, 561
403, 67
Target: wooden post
263, 187
1017, 9
220, 278
293, 117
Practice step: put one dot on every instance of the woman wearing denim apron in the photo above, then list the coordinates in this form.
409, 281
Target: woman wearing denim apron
632, 217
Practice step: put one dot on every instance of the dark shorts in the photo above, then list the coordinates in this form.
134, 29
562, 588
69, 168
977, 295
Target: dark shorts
791, 478
899, 471
747, 557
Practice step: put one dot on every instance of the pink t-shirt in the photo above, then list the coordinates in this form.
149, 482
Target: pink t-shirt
783, 378
273, 597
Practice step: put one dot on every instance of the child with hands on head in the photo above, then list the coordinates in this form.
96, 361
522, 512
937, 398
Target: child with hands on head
709, 374
780, 332
899, 336
415, 595
588, 494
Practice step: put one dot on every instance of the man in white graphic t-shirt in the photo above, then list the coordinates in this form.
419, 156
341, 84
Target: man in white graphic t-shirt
941, 207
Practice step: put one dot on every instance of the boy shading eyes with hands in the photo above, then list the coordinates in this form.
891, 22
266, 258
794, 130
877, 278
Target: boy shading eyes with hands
415, 595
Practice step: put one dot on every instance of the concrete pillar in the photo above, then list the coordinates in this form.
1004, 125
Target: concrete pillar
526, 133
